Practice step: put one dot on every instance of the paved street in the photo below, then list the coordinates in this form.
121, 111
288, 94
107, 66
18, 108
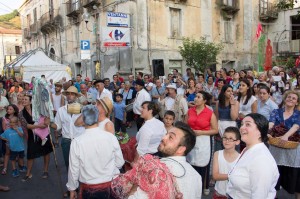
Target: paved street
38, 188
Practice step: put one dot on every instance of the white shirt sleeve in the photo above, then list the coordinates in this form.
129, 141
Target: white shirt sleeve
144, 140
73, 174
58, 118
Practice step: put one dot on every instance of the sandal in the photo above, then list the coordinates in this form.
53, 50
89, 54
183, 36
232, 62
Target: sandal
4, 171
4, 189
66, 194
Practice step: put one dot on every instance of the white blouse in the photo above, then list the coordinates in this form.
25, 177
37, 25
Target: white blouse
254, 175
246, 109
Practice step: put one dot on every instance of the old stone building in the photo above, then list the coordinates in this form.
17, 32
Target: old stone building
11, 45
155, 30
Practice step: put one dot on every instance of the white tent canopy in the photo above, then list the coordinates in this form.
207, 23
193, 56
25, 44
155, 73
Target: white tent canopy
37, 63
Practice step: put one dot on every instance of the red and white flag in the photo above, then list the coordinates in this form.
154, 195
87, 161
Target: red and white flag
258, 30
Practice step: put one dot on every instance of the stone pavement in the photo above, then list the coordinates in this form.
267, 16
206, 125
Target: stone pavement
38, 188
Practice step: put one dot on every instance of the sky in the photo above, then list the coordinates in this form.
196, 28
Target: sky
7, 6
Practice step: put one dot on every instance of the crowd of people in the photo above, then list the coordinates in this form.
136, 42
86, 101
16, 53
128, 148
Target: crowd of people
195, 130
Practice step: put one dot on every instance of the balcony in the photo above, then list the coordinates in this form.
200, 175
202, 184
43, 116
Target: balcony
27, 34
90, 3
229, 6
49, 21
34, 28
267, 11
74, 8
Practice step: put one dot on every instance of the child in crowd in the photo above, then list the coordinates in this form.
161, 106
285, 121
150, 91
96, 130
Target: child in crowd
11, 111
14, 138
119, 114
168, 119
224, 160
14, 96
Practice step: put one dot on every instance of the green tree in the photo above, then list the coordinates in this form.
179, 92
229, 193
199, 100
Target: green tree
199, 54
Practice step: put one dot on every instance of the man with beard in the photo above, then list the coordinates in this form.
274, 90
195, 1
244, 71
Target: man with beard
65, 120
58, 101
174, 147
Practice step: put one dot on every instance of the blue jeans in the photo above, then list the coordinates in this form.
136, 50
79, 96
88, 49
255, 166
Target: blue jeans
65, 147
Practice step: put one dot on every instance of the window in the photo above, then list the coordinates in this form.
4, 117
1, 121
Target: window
228, 32
28, 20
34, 15
175, 22
295, 28
17, 50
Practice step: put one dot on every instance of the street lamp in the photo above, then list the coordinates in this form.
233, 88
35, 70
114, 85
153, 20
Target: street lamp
86, 17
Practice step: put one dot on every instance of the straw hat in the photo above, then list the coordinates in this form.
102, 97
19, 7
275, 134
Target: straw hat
106, 103
58, 84
71, 89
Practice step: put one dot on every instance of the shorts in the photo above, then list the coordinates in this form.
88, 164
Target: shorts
14, 154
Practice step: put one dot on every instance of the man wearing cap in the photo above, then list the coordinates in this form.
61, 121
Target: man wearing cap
141, 96
173, 102
95, 159
102, 92
64, 120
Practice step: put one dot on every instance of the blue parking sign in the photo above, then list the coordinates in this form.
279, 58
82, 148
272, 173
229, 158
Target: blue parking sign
85, 45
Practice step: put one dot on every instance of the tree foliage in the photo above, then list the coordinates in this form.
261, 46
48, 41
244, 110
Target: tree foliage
11, 20
9, 16
199, 54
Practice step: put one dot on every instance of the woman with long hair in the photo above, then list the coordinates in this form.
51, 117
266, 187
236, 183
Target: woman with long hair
34, 143
248, 103
255, 90
204, 123
227, 111
243, 74
288, 160
11, 111
217, 90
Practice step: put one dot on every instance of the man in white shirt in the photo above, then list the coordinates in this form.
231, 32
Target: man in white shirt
102, 92
58, 101
95, 159
174, 147
141, 96
65, 120
173, 102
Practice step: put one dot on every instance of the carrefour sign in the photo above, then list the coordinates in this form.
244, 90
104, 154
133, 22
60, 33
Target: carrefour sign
117, 19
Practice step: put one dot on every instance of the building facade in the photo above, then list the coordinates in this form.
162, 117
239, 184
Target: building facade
11, 45
156, 31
